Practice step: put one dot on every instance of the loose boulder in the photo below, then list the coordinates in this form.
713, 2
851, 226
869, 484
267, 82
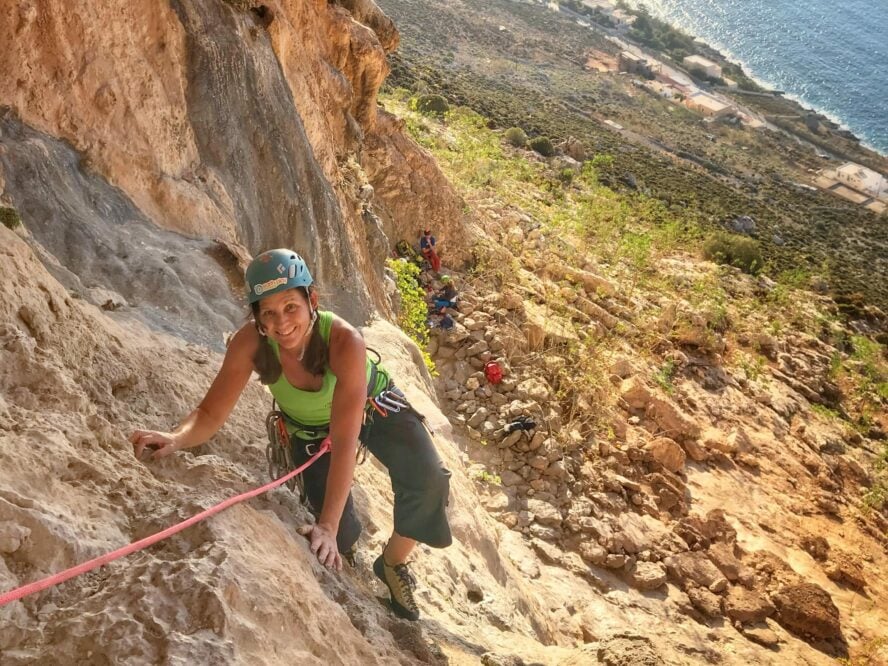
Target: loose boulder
807, 609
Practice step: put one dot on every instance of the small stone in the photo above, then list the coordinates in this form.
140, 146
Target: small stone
807, 609
593, 553
538, 462
747, 606
628, 484
705, 601
615, 561
478, 417
695, 451
545, 513
510, 478
648, 576
634, 393
510, 440
477, 348
556, 470
666, 452
761, 635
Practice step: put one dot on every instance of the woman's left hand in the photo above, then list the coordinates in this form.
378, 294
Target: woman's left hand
323, 544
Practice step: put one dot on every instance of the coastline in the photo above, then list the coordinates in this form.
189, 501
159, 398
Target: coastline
723, 53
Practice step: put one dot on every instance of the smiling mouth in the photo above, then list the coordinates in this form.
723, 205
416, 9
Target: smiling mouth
288, 333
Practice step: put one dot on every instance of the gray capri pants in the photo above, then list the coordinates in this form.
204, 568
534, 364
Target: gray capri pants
420, 482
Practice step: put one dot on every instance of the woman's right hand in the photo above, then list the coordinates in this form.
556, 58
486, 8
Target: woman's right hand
161, 443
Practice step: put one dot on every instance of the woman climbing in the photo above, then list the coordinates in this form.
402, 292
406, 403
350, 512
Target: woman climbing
316, 367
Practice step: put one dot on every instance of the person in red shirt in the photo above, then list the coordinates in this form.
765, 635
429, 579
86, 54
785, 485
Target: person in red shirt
427, 247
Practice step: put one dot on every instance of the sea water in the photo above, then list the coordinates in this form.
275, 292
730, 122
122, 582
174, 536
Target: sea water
829, 55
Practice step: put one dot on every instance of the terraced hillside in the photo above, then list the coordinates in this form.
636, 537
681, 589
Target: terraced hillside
520, 65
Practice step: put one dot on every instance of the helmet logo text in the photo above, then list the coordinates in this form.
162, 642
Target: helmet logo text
260, 289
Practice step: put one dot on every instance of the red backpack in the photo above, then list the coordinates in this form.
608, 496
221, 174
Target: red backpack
493, 372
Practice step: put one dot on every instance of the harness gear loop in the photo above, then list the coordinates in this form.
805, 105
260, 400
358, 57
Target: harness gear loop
279, 451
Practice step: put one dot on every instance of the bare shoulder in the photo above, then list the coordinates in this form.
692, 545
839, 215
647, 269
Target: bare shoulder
343, 333
347, 348
244, 344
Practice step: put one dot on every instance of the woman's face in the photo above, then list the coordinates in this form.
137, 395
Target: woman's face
286, 317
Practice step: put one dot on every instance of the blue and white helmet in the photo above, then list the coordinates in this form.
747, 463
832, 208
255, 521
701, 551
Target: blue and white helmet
274, 271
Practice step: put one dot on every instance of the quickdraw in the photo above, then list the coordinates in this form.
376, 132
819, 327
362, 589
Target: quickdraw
389, 400
278, 452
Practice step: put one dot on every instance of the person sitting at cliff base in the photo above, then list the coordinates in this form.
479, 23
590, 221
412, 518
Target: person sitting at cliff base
446, 298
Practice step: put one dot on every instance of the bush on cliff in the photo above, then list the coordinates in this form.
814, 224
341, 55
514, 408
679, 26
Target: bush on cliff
413, 314
430, 105
9, 218
542, 145
739, 251
515, 136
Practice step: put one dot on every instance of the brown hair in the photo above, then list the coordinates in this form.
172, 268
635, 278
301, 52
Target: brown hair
266, 362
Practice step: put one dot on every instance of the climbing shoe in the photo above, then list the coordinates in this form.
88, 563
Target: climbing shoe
401, 584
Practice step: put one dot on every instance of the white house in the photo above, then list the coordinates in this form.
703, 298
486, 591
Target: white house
622, 18
708, 105
862, 179
701, 64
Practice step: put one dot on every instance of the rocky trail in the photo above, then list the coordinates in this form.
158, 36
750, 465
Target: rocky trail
723, 503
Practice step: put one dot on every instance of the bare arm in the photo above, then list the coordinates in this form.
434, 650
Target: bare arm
348, 361
211, 413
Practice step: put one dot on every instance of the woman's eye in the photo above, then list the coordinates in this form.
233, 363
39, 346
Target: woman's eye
291, 307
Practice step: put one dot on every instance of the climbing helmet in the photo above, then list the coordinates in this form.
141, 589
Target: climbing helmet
274, 271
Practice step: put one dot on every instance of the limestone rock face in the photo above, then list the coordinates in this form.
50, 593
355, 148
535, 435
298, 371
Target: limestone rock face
74, 490
412, 191
212, 119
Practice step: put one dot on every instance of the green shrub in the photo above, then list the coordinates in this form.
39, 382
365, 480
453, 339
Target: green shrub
9, 218
430, 105
516, 137
542, 145
414, 311
566, 176
739, 251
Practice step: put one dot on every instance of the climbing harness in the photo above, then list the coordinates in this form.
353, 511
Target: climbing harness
285, 432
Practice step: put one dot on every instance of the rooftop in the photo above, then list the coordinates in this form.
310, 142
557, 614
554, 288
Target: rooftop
699, 61
708, 102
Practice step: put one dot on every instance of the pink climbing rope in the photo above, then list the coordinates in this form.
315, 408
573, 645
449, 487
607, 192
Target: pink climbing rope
62, 576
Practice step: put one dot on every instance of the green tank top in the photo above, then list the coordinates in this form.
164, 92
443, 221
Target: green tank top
312, 408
